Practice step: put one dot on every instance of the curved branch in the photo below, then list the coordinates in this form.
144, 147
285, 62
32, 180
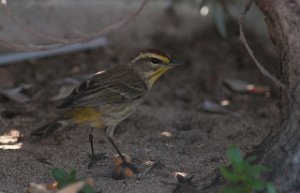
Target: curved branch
64, 42
250, 51
10, 14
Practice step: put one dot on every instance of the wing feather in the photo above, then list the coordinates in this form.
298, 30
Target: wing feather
113, 87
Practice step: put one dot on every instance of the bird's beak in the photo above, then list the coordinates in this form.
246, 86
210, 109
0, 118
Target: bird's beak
174, 63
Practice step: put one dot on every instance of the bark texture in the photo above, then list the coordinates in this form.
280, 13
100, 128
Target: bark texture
281, 152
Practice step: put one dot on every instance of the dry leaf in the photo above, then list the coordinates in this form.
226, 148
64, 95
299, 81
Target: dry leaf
72, 188
51, 188
63, 92
10, 137
15, 94
211, 107
245, 87
10, 140
38, 188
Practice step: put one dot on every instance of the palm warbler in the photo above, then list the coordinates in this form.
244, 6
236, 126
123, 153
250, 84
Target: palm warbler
110, 96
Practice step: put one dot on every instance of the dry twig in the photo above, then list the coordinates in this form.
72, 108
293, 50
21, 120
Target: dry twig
250, 51
59, 42
10, 14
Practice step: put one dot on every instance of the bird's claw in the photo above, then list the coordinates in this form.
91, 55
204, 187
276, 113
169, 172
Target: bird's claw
124, 169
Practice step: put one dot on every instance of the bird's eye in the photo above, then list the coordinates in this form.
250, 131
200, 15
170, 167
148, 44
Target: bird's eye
155, 61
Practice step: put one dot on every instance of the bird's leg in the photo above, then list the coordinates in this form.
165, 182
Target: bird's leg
125, 163
109, 133
91, 139
94, 158
117, 149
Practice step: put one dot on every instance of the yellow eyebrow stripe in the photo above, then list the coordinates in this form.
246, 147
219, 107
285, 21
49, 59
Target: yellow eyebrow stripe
153, 55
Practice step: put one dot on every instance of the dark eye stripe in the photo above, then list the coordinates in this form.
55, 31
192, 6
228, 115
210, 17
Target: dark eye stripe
156, 61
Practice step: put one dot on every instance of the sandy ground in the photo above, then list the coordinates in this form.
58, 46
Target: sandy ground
197, 141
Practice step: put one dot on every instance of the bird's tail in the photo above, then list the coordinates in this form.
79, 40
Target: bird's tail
50, 128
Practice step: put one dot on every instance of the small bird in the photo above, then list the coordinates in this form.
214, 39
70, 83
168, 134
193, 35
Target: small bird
110, 96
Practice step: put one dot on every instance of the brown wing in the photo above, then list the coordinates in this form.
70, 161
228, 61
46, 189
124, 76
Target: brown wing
114, 87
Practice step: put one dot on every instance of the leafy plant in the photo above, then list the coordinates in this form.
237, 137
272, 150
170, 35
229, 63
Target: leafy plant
242, 176
63, 178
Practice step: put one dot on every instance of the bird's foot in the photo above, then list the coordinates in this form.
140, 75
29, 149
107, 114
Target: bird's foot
123, 168
94, 158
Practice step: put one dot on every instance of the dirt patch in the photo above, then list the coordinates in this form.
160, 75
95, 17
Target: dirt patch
197, 140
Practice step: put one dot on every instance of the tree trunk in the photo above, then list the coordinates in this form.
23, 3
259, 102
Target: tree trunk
281, 152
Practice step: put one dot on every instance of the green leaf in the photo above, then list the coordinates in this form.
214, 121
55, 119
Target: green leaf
230, 175
87, 189
258, 169
270, 187
72, 175
256, 184
220, 20
235, 157
63, 178
59, 174
233, 189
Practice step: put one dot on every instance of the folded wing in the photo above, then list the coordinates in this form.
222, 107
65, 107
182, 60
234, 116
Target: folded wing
112, 87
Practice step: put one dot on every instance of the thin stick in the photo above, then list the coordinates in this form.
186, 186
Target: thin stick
10, 14
117, 25
64, 42
15, 46
250, 51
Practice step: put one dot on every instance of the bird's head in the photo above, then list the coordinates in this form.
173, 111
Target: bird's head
151, 64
